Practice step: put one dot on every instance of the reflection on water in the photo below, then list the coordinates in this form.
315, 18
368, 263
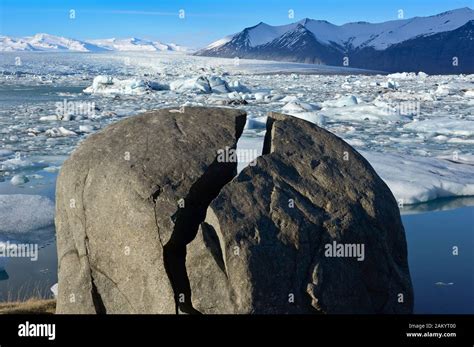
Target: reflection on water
444, 204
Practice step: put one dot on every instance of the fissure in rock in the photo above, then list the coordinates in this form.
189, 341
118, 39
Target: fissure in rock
187, 220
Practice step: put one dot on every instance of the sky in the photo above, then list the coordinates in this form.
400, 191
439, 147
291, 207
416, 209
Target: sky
194, 23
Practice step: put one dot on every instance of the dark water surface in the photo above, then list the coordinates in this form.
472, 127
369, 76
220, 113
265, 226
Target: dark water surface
443, 282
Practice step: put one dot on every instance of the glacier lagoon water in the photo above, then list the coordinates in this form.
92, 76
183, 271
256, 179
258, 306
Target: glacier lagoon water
30, 90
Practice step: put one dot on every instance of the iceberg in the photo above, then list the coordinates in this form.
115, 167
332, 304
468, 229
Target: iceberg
207, 84
108, 85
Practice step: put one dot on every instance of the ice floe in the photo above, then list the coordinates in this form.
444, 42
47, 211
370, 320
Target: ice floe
375, 112
391, 84
443, 126
207, 84
109, 85
304, 111
18, 180
418, 179
59, 132
25, 213
54, 290
343, 101
298, 106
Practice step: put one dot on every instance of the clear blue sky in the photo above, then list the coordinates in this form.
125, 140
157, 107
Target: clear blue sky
205, 20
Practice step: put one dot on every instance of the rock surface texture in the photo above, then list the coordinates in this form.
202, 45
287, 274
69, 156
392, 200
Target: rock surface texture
129, 199
149, 220
263, 247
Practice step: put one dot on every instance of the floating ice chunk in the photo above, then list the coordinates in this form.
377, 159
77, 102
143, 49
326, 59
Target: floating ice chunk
102, 80
304, 111
238, 87
418, 179
355, 142
313, 117
289, 98
440, 138
18, 180
422, 74
260, 96
275, 97
298, 106
49, 118
54, 290
52, 168
218, 85
469, 93
17, 163
342, 129
256, 123
343, 101
203, 84
443, 126
113, 86
233, 98
198, 84
444, 90
36, 130
401, 75
391, 84
364, 112
211, 84
59, 132
86, 128
157, 86
23, 213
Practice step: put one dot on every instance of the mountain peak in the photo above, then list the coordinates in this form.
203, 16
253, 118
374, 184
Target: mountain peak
309, 40
305, 21
260, 24
51, 43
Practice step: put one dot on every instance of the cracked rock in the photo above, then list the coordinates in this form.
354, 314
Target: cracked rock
149, 221
128, 201
311, 228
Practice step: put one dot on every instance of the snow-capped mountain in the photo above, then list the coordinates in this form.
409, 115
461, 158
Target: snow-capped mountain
46, 42
319, 41
136, 44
